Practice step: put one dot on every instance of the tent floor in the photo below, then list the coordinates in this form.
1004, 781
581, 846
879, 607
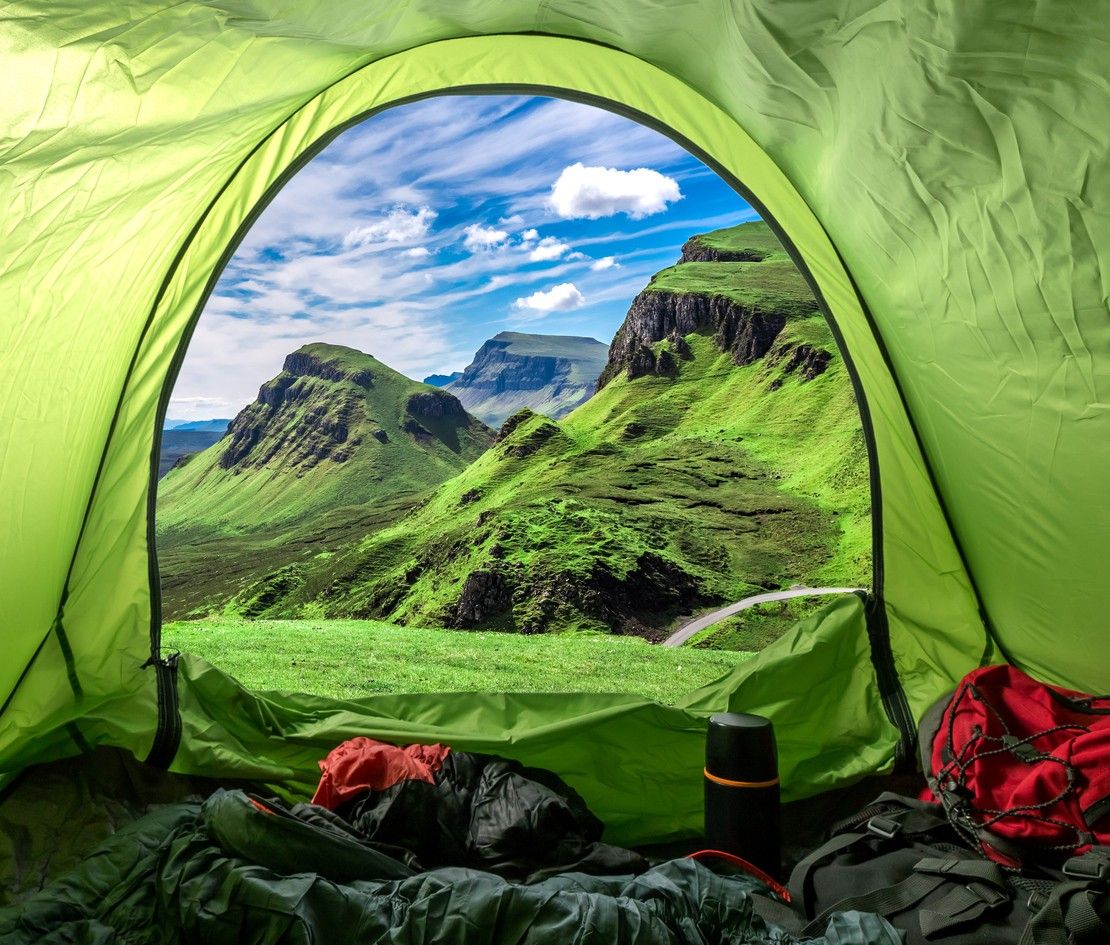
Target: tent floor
54, 814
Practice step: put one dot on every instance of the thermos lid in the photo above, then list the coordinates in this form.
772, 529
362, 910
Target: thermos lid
741, 747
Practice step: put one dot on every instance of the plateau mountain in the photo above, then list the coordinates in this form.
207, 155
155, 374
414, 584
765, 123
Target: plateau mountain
549, 374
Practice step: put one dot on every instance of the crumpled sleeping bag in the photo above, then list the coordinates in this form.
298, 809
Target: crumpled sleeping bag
240, 868
453, 808
168, 880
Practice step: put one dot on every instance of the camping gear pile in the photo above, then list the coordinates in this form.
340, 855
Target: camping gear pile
430, 844
417, 844
1011, 842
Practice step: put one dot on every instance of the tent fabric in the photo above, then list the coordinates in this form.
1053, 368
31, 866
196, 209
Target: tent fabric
940, 169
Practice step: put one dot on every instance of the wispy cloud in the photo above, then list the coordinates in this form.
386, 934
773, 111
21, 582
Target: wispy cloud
479, 238
550, 247
400, 225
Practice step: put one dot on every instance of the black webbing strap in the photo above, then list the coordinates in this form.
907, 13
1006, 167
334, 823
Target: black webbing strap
985, 890
777, 913
884, 902
798, 883
981, 887
1069, 917
889, 817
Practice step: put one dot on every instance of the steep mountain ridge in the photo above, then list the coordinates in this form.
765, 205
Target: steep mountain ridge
734, 464
550, 374
335, 428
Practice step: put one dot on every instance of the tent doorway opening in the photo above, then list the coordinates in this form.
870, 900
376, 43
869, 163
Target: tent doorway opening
506, 393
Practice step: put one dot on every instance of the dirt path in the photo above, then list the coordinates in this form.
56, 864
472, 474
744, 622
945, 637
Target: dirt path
687, 630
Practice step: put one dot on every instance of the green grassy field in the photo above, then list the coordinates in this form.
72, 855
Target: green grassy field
353, 658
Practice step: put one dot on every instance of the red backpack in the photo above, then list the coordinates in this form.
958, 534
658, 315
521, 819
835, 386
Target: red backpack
1021, 768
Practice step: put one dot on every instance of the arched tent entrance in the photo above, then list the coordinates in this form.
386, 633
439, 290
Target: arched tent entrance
142, 152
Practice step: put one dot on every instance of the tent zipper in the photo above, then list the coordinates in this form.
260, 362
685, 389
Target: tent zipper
167, 737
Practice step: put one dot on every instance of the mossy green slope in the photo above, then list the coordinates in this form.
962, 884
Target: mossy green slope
700, 481
335, 428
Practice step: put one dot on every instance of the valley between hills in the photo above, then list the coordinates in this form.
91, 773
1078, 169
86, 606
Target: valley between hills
711, 451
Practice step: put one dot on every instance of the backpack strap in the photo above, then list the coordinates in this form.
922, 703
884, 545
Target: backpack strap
889, 817
1069, 916
984, 890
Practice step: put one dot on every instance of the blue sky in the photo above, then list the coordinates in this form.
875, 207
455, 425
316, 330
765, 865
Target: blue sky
427, 229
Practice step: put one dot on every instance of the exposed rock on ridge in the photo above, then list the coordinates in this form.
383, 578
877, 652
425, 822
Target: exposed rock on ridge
694, 250
747, 334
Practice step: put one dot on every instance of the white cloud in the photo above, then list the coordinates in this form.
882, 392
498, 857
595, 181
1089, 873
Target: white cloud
606, 262
550, 247
398, 226
417, 252
480, 237
559, 298
594, 192
512, 221
530, 235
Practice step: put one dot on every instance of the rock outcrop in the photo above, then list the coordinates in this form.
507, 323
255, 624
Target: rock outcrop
744, 332
694, 250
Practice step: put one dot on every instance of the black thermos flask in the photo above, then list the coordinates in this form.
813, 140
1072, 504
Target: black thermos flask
742, 789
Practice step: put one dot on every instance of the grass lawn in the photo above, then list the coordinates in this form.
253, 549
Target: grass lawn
353, 658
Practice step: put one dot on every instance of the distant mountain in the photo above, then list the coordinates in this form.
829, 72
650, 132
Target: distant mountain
442, 380
550, 374
212, 426
335, 428
178, 444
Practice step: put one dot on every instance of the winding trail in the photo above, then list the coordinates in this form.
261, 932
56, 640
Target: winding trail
687, 630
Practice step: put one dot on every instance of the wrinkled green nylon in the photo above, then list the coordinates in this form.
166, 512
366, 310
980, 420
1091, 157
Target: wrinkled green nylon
954, 153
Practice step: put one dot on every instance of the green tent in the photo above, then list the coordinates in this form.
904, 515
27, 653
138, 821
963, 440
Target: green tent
940, 169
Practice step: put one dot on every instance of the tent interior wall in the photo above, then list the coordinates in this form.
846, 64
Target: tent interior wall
909, 152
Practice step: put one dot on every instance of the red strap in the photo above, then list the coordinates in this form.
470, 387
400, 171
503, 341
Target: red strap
752, 870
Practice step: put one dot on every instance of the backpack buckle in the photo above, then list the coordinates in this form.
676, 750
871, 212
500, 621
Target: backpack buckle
990, 896
1088, 868
884, 827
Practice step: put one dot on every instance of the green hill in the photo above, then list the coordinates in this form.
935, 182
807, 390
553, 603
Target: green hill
335, 431
722, 456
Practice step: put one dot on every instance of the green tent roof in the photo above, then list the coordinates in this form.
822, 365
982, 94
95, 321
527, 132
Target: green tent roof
940, 169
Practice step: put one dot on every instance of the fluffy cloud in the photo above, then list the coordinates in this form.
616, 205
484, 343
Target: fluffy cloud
595, 192
606, 262
417, 252
529, 235
550, 247
398, 226
559, 298
480, 237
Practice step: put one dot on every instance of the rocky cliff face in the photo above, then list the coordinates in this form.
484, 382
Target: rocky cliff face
550, 374
696, 250
313, 405
745, 333
743, 323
